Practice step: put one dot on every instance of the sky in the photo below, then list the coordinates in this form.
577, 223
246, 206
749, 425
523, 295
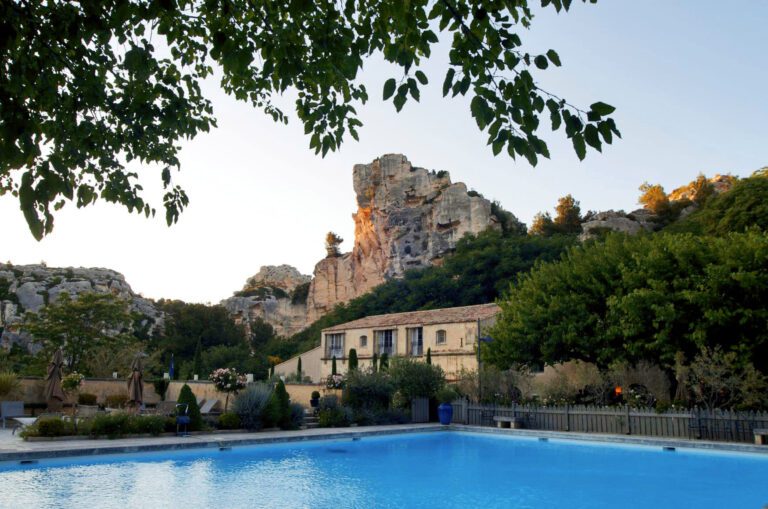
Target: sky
687, 78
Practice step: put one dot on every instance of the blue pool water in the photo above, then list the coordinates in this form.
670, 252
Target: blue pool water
441, 470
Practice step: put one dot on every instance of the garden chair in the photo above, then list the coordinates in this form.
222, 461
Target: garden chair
11, 410
182, 419
208, 406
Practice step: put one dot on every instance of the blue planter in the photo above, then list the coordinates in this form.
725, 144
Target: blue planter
445, 413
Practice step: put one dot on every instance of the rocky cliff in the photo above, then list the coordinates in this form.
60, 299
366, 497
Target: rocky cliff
406, 218
26, 288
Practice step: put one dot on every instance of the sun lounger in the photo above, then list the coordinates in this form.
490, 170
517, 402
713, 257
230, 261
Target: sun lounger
11, 410
207, 407
23, 422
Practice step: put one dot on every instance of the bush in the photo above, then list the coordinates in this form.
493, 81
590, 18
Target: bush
250, 405
372, 417
151, 424
414, 379
187, 397
279, 408
229, 420
9, 383
368, 389
116, 400
119, 424
52, 427
331, 414
297, 415
447, 395
85, 398
161, 387
315, 394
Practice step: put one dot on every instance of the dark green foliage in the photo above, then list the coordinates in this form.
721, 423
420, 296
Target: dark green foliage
197, 362
187, 397
429, 355
315, 394
744, 206
298, 370
297, 416
161, 387
384, 362
131, 72
284, 406
414, 379
332, 415
263, 292
368, 390
229, 420
333, 365
52, 427
352, 360
300, 293
567, 219
84, 398
446, 395
119, 424
251, 406
375, 362
640, 298
261, 333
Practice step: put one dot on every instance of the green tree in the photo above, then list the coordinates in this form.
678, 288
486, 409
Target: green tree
384, 362
429, 356
415, 379
197, 363
261, 332
639, 298
333, 365
89, 87
187, 397
568, 217
654, 198
352, 359
81, 325
299, 372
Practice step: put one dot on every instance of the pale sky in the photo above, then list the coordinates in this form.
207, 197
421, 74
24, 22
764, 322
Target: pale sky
688, 79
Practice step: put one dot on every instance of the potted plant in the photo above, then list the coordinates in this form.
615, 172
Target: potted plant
445, 411
314, 402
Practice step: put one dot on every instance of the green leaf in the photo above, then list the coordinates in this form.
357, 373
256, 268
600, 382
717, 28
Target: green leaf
422, 77
479, 108
593, 138
541, 62
579, 146
389, 88
554, 57
602, 109
399, 101
413, 88
448, 81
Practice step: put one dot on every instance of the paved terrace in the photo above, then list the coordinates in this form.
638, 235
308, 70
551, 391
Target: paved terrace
13, 448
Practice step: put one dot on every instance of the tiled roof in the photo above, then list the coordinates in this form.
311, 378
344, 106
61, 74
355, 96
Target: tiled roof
429, 317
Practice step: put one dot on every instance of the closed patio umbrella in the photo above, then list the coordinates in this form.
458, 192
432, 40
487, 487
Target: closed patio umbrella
54, 394
135, 385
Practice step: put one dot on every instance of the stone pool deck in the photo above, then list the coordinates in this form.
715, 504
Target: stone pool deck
13, 448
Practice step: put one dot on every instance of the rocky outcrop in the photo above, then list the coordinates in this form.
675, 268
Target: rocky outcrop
406, 218
277, 295
617, 221
26, 288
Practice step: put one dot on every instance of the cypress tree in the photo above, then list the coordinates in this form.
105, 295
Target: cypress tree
375, 362
197, 363
384, 362
333, 365
352, 359
186, 396
429, 356
298, 370
271, 371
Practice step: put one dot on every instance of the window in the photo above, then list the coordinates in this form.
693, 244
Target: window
440, 338
335, 345
385, 340
416, 341
363, 341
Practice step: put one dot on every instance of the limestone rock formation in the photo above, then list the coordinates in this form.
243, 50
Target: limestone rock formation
407, 218
29, 287
277, 295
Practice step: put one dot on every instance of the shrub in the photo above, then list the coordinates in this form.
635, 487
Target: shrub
315, 394
332, 415
116, 400
161, 387
229, 420
368, 389
414, 379
9, 383
250, 406
499, 387
297, 415
112, 425
352, 360
85, 398
187, 397
152, 424
447, 395
280, 407
52, 427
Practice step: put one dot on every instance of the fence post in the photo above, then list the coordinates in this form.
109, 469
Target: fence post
629, 422
567, 417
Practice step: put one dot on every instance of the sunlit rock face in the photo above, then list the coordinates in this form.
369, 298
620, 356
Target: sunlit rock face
407, 218
27, 288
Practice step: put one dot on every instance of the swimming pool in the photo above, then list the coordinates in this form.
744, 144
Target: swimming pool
436, 469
